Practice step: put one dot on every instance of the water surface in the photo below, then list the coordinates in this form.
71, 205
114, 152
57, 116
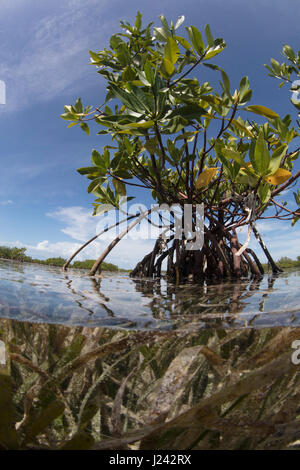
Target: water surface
43, 294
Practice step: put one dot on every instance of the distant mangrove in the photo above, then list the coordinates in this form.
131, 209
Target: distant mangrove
19, 254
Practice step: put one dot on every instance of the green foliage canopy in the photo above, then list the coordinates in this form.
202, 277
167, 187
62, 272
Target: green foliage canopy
183, 139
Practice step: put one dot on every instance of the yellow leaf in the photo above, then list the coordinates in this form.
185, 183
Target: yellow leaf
205, 177
279, 177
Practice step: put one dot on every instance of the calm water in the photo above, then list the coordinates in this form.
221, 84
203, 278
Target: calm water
44, 294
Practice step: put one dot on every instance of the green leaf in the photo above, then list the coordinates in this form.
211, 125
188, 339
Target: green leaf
297, 197
87, 170
149, 73
211, 66
276, 158
119, 187
160, 34
141, 124
128, 99
106, 156
115, 42
175, 125
237, 156
264, 193
123, 54
101, 208
94, 56
85, 127
68, 116
97, 159
78, 106
213, 53
128, 73
179, 21
151, 145
242, 127
261, 110
94, 184
184, 43
288, 52
188, 111
138, 21
168, 67
276, 66
144, 99
210, 40
164, 24
243, 90
226, 82
196, 39
261, 154
171, 50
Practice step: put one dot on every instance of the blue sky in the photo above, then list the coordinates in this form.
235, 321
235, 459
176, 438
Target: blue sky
44, 62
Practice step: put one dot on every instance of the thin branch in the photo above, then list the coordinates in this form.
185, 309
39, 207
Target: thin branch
65, 266
188, 71
103, 255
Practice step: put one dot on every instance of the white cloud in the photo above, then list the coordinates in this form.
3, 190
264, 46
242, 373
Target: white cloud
6, 203
79, 223
53, 54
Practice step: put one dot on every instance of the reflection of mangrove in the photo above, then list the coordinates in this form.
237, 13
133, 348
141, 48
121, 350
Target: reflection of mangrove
95, 283
81, 388
212, 304
13, 265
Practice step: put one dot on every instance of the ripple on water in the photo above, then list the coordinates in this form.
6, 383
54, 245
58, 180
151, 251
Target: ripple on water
44, 294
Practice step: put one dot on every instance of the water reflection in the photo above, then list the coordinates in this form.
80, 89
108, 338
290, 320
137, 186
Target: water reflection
46, 295
236, 303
